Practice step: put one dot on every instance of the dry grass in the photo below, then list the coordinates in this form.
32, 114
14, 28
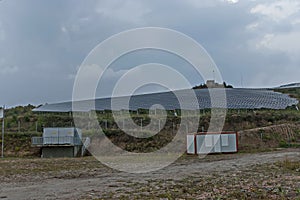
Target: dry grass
276, 181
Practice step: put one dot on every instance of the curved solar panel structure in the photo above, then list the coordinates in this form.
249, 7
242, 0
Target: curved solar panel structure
235, 99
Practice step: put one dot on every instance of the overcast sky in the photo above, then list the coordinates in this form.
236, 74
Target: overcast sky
42, 43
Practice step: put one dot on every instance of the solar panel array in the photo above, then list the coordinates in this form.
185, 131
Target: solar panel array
181, 99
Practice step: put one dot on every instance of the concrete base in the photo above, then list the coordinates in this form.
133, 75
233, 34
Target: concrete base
60, 151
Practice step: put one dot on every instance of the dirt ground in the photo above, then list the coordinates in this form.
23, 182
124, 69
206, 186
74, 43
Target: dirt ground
267, 175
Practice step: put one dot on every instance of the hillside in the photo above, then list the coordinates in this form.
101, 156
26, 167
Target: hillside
21, 124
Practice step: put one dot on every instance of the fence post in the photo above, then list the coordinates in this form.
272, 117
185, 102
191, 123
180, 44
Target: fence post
105, 121
173, 127
187, 128
158, 124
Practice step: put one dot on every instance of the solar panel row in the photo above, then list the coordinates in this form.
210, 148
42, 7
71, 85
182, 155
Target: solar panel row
205, 99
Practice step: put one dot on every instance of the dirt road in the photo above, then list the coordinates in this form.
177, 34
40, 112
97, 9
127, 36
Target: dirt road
85, 178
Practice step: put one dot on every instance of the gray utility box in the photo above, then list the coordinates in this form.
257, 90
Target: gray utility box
68, 136
207, 143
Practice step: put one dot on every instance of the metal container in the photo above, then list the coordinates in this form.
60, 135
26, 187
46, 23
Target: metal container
206, 143
61, 136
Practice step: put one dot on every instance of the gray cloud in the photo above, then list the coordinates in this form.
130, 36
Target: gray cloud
42, 43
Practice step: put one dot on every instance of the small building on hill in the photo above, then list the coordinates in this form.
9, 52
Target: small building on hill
213, 84
60, 142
